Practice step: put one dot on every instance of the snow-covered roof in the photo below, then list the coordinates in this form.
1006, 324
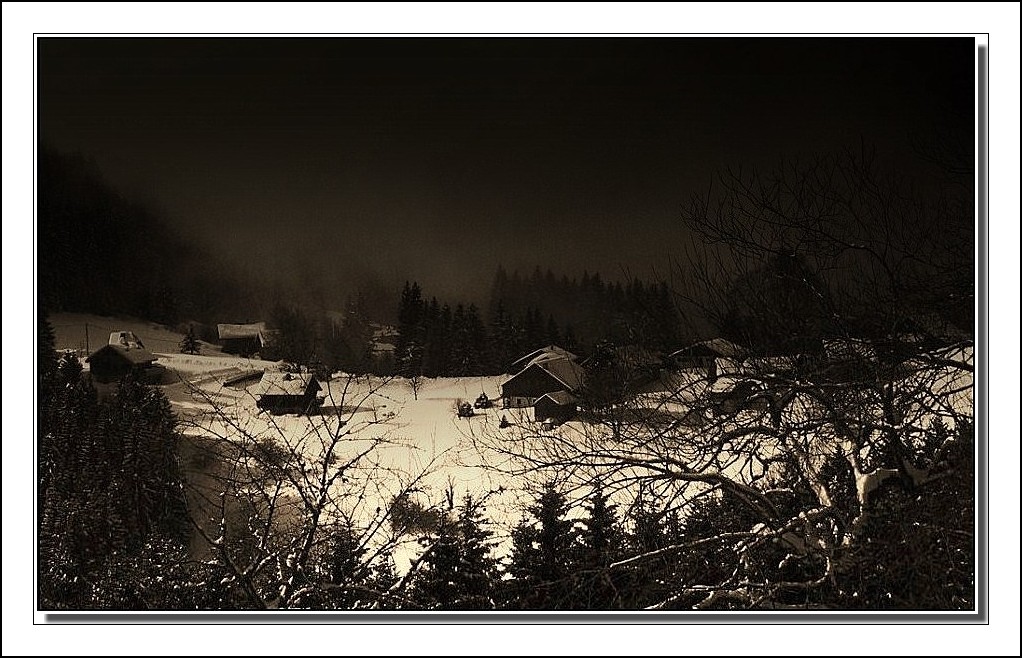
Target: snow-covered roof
565, 370
136, 355
286, 383
125, 339
559, 397
251, 330
542, 354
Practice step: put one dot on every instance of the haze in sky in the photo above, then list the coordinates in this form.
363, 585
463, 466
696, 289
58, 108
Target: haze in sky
435, 159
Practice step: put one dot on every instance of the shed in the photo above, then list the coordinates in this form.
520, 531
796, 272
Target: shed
242, 339
560, 406
113, 361
541, 377
288, 393
707, 355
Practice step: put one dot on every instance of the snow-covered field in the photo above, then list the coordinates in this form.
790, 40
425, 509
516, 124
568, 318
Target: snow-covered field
422, 439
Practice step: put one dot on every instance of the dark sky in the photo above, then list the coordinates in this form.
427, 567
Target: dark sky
435, 159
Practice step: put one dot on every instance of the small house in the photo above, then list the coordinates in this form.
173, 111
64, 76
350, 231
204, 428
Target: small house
714, 357
539, 378
116, 360
242, 339
288, 393
559, 406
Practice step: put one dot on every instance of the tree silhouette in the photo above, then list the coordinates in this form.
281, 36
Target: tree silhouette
190, 344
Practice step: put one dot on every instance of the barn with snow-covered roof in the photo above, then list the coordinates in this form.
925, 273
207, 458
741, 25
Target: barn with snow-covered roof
242, 339
124, 354
548, 353
541, 377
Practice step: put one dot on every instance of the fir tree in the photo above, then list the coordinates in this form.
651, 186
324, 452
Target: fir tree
542, 556
110, 492
653, 579
600, 544
501, 339
190, 344
411, 330
458, 572
479, 360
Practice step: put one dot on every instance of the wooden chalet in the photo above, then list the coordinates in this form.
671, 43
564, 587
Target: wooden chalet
541, 377
709, 356
116, 360
242, 339
288, 393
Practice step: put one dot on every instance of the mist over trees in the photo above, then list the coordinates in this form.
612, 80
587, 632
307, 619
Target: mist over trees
524, 314
104, 253
585, 310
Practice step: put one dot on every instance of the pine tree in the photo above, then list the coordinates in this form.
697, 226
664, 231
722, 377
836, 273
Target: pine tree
553, 334
346, 570
600, 537
654, 579
411, 331
479, 361
110, 493
433, 349
600, 544
459, 356
457, 572
542, 556
501, 340
46, 359
190, 344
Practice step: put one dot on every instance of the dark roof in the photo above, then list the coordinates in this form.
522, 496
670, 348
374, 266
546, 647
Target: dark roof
712, 347
559, 397
286, 383
135, 355
566, 371
252, 330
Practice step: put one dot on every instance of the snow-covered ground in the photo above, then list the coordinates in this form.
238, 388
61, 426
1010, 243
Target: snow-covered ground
424, 440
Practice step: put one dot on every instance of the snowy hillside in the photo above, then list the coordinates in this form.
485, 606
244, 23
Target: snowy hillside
85, 333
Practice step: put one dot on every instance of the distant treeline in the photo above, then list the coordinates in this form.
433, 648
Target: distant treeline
590, 309
524, 314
